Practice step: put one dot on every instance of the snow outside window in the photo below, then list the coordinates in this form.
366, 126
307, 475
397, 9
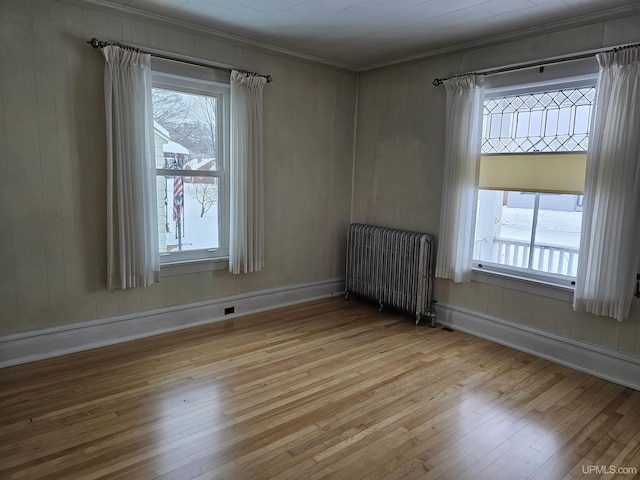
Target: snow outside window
532, 231
191, 118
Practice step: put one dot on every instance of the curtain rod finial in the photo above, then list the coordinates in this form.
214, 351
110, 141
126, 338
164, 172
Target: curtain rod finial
437, 82
95, 43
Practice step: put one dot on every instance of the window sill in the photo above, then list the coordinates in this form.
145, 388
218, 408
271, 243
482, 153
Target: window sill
527, 285
194, 266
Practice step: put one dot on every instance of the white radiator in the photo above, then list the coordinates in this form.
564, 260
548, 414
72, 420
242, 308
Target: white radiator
395, 268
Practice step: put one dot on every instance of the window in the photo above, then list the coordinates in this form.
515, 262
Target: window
191, 130
532, 170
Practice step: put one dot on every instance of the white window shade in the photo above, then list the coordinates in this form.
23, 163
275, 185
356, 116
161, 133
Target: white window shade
538, 172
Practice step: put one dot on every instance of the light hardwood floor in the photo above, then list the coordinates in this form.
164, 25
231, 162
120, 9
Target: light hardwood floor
327, 389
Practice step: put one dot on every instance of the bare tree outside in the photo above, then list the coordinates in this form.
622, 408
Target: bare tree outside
206, 111
189, 119
169, 107
205, 192
205, 189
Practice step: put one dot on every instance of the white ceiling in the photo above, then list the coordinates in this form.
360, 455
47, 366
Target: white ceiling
364, 34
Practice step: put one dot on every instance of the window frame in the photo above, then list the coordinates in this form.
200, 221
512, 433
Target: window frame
524, 278
198, 260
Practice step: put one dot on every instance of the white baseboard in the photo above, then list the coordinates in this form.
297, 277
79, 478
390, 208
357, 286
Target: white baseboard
40, 344
51, 342
608, 364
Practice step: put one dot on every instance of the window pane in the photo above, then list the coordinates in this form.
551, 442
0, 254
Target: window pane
522, 130
551, 127
564, 121
504, 224
495, 122
583, 115
187, 130
558, 234
191, 123
538, 122
505, 128
535, 124
189, 216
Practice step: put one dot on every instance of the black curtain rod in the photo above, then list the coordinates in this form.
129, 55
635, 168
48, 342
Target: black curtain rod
494, 71
95, 43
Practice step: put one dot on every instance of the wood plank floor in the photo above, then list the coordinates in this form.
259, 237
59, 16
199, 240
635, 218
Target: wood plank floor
327, 389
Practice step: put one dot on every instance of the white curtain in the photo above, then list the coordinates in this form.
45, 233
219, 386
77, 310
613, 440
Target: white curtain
464, 103
610, 241
132, 223
246, 239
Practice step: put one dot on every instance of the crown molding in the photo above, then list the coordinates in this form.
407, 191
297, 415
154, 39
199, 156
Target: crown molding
210, 32
427, 54
520, 34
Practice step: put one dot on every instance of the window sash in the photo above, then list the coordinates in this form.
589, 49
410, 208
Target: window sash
170, 172
536, 254
556, 179
531, 171
205, 87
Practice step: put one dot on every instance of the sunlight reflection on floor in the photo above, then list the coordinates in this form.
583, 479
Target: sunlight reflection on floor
190, 429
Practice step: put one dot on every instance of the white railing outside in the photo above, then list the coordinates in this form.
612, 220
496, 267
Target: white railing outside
556, 259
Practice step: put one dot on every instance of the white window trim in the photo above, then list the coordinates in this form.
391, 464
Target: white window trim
194, 266
196, 261
547, 285
523, 284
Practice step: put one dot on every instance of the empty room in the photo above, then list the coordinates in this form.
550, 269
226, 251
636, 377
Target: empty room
305, 239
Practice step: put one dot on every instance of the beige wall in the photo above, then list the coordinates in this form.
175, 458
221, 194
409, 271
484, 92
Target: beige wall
52, 166
399, 164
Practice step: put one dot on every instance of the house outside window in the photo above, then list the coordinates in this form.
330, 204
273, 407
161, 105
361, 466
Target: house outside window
191, 120
529, 213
